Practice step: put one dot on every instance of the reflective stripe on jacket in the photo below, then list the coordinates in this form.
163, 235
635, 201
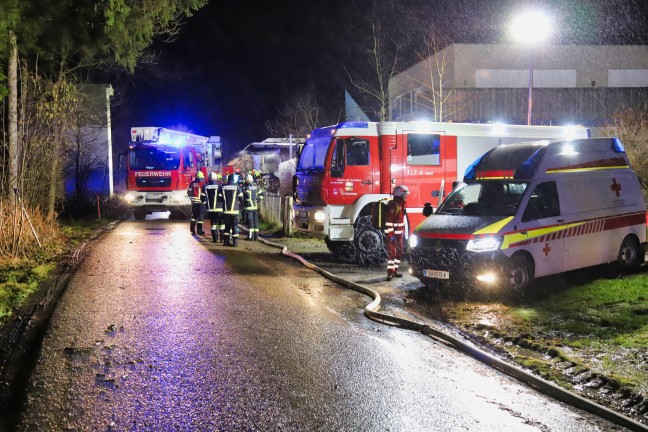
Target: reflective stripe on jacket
231, 196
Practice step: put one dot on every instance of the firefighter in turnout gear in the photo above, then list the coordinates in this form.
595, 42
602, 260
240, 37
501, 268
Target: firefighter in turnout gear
213, 204
252, 195
231, 196
394, 226
195, 192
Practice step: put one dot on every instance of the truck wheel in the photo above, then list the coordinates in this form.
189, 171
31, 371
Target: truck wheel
520, 273
630, 254
369, 243
139, 214
342, 251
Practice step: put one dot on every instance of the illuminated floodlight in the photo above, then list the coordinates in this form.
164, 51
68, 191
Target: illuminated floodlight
530, 28
413, 241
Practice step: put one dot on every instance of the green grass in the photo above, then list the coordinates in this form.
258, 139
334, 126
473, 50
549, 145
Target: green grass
21, 278
18, 281
613, 310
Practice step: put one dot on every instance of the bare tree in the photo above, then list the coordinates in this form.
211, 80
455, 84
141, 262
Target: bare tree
630, 125
436, 94
384, 67
297, 118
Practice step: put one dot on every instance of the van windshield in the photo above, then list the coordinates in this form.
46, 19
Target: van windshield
487, 198
313, 154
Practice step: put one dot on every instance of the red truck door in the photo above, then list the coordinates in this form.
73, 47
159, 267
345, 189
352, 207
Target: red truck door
352, 169
426, 162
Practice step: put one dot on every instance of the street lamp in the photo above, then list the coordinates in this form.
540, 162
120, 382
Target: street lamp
530, 28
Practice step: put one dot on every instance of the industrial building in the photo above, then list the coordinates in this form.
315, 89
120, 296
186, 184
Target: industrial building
571, 84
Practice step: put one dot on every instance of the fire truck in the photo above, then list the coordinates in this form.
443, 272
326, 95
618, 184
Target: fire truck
160, 165
344, 170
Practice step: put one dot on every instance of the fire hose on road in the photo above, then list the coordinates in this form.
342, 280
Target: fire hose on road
550, 389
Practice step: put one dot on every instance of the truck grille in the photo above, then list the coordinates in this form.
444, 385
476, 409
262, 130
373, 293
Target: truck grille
153, 181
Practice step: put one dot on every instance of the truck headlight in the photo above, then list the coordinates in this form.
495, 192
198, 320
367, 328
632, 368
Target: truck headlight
129, 197
179, 196
413, 241
484, 244
319, 216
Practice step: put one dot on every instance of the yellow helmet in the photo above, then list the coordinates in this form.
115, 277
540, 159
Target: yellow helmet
200, 175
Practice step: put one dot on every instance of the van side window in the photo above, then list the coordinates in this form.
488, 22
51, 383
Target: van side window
423, 149
543, 202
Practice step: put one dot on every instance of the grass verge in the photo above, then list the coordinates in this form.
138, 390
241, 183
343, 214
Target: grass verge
19, 278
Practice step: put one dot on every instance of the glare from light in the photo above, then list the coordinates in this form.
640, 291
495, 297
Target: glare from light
489, 278
178, 196
483, 244
570, 132
568, 150
413, 241
531, 28
319, 216
498, 129
410, 270
129, 197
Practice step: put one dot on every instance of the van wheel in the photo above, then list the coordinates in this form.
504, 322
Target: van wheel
630, 254
139, 214
520, 273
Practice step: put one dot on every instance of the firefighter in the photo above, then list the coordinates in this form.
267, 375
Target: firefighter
197, 209
213, 204
231, 196
394, 226
252, 195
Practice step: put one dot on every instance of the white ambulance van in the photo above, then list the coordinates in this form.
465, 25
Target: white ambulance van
535, 209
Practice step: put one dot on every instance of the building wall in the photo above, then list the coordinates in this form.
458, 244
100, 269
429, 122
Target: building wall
581, 84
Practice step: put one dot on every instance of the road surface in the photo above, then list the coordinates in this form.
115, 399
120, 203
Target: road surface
161, 331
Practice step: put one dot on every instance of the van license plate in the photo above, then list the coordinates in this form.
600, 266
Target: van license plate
436, 274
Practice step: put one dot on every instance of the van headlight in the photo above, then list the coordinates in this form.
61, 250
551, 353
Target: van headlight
413, 241
484, 244
319, 216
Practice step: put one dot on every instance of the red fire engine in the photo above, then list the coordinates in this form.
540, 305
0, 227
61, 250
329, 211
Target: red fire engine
161, 163
343, 170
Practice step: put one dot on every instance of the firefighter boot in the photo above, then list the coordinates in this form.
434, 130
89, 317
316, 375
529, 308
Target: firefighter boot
200, 228
226, 240
235, 242
256, 235
222, 236
214, 234
192, 227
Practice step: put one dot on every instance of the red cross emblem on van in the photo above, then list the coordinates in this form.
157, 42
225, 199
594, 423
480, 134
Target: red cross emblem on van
616, 187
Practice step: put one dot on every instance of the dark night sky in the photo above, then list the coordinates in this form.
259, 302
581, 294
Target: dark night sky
236, 64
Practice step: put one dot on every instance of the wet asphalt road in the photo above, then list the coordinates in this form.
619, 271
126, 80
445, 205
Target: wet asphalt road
162, 331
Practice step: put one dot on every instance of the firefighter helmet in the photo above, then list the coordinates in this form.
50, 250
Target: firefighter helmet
248, 178
219, 176
400, 191
231, 179
213, 176
200, 175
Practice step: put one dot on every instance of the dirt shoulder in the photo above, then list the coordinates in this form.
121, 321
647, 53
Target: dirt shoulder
602, 362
